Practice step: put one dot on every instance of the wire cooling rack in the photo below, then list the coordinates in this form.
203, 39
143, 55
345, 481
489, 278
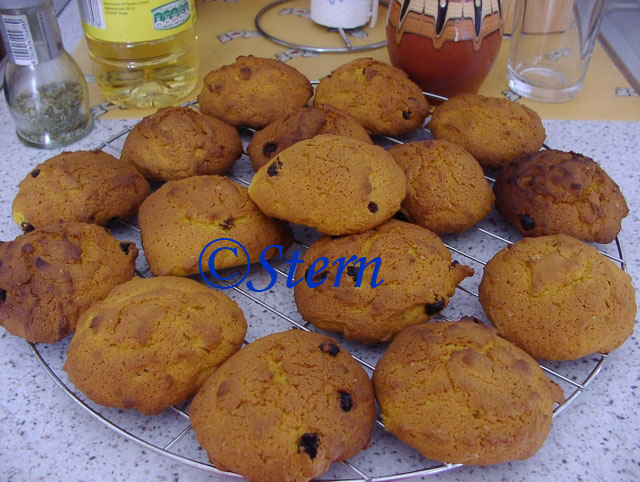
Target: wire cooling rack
170, 433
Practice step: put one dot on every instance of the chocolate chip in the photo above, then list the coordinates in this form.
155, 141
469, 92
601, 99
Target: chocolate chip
346, 403
269, 148
245, 73
321, 276
330, 348
373, 207
41, 263
35, 173
406, 114
26, 227
309, 443
124, 247
455, 262
306, 273
227, 223
527, 222
274, 168
433, 308
353, 272
3, 296
92, 219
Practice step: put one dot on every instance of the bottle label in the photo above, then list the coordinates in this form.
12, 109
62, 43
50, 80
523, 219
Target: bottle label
133, 21
18, 40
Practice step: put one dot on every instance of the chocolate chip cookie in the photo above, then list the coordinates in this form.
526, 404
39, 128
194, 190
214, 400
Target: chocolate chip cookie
335, 184
459, 393
179, 142
551, 192
380, 96
558, 298
81, 186
302, 123
415, 275
284, 408
253, 91
49, 276
151, 343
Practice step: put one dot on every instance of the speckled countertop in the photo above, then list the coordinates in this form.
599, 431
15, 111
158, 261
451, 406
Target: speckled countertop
44, 435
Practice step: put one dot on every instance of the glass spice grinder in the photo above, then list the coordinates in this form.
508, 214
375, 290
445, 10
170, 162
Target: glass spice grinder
44, 87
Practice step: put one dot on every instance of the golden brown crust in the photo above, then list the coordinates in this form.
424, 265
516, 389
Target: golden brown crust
558, 298
459, 393
446, 188
81, 186
151, 343
182, 217
417, 273
253, 91
284, 407
49, 276
494, 130
551, 192
179, 142
302, 123
381, 97
335, 184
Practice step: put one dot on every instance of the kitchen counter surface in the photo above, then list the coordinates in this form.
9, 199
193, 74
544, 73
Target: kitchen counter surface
45, 436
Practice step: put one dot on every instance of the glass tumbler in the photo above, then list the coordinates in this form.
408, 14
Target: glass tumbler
551, 45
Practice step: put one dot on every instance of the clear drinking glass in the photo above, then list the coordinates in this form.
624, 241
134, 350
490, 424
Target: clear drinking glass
551, 45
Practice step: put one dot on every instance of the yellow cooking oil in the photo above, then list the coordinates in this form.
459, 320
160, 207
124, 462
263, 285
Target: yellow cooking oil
144, 54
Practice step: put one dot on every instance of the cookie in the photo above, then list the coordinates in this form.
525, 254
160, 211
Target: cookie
446, 188
82, 186
551, 192
558, 298
253, 91
493, 130
459, 393
284, 407
381, 97
415, 274
179, 142
302, 123
332, 183
151, 343
49, 276
182, 217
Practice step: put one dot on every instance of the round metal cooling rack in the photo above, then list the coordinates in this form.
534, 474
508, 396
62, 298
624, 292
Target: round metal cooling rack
572, 388
348, 48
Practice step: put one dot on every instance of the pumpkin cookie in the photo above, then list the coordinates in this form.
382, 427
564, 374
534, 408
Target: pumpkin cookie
182, 217
415, 273
151, 343
82, 186
49, 276
446, 188
380, 96
284, 407
493, 130
253, 91
551, 192
558, 298
459, 393
178, 142
302, 123
335, 184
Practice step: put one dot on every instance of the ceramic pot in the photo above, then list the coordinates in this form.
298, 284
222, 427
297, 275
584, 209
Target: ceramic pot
446, 46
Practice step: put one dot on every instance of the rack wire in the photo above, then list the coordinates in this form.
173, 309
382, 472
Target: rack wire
495, 231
